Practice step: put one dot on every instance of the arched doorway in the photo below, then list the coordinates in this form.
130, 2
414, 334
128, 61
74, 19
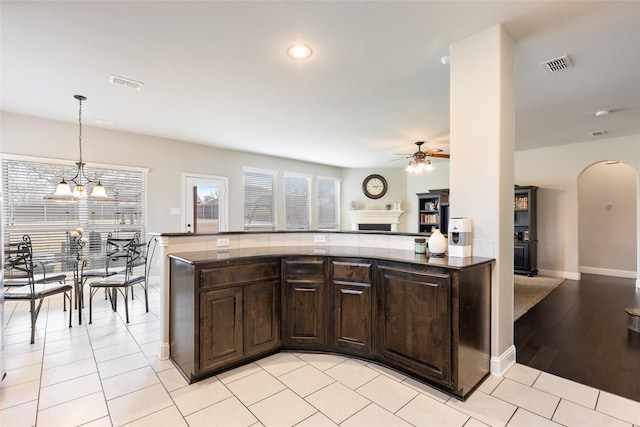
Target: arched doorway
608, 219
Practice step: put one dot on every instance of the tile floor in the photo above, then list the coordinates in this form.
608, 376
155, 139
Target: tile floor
107, 374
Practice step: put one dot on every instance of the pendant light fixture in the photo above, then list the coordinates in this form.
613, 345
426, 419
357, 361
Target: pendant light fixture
81, 180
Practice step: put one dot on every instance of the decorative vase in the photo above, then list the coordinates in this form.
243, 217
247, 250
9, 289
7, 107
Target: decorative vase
437, 243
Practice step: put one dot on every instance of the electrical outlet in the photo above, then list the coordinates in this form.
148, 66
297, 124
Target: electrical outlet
223, 242
319, 238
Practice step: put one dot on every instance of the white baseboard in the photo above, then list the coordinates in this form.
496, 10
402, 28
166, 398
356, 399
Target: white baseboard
500, 364
163, 351
564, 274
609, 272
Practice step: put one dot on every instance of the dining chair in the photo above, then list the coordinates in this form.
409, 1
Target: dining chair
20, 260
15, 274
122, 282
114, 263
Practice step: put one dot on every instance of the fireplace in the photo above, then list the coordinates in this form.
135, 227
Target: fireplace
376, 227
372, 219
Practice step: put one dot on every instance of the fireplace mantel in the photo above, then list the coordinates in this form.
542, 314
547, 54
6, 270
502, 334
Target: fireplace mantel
375, 216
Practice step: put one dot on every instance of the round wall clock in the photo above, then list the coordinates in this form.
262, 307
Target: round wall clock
374, 186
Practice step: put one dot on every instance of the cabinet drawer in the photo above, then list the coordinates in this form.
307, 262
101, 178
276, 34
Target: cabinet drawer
304, 267
239, 274
351, 270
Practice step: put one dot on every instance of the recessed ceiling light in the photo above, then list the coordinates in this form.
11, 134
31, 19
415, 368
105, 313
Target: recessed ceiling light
299, 51
602, 113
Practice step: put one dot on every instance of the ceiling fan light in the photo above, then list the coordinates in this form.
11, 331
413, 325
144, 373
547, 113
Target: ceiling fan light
428, 166
410, 167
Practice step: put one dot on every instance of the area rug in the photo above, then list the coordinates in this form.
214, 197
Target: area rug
529, 291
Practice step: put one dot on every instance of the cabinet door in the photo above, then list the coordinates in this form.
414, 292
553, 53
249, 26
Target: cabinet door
261, 317
521, 256
352, 317
351, 310
305, 303
414, 321
221, 329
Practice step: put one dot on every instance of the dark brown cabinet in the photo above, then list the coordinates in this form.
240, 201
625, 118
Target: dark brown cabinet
304, 302
433, 211
525, 234
435, 322
427, 320
261, 317
222, 313
221, 327
351, 305
415, 320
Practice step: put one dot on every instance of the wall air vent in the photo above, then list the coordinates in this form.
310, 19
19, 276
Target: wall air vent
555, 65
121, 81
599, 133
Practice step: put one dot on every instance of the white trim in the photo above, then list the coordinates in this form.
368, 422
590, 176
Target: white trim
609, 272
19, 157
502, 363
564, 274
225, 212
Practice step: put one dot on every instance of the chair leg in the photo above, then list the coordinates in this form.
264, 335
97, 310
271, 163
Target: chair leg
34, 317
91, 293
126, 302
114, 298
146, 295
70, 311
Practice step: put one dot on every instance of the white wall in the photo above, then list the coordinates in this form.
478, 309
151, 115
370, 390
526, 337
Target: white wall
556, 170
607, 219
352, 192
166, 160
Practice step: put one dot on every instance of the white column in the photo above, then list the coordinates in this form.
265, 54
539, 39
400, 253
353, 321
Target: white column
163, 348
482, 157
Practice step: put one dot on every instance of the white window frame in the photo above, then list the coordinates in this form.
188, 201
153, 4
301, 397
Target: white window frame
247, 217
297, 225
49, 219
336, 182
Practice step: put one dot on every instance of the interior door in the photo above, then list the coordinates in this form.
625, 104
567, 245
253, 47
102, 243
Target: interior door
206, 204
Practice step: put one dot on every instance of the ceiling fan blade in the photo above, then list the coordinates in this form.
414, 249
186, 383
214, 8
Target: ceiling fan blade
443, 156
434, 150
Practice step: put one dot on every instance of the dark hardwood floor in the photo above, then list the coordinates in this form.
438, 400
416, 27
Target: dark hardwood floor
579, 332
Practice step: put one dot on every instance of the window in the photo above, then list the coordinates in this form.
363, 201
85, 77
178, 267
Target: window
297, 202
259, 200
28, 208
328, 203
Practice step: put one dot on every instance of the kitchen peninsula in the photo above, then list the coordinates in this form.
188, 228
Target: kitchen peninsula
428, 317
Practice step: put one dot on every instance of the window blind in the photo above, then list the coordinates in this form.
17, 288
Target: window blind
328, 204
297, 202
259, 200
29, 208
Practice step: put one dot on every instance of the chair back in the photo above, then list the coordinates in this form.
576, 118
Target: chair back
19, 261
117, 251
135, 255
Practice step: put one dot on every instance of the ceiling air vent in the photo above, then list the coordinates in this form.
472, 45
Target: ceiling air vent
555, 65
121, 81
599, 133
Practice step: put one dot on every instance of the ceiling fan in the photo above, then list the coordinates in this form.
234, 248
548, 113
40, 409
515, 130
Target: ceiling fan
419, 160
